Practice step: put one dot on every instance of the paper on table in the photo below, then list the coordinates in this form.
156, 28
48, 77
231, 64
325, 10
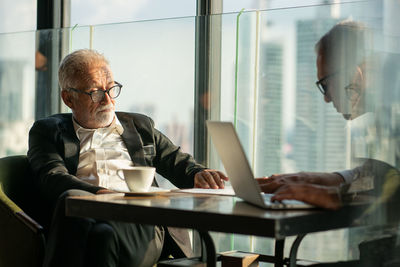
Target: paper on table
227, 191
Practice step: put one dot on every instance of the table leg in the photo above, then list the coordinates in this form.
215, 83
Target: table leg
293, 250
279, 246
208, 253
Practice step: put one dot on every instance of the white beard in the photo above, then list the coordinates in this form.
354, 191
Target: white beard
104, 118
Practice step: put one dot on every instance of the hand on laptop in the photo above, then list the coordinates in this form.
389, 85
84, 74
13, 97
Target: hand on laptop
210, 179
276, 181
318, 195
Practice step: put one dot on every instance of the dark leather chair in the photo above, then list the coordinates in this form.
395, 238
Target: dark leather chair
22, 240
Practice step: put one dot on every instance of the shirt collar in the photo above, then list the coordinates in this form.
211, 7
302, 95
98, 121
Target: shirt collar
116, 124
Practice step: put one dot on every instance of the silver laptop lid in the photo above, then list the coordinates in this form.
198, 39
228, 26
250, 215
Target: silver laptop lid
234, 159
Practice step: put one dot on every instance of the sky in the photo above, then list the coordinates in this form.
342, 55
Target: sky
20, 15
17, 15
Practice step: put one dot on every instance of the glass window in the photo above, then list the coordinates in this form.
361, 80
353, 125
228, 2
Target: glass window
267, 89
154, 60
286, 125
237, 5
91, 12
17, 74
19, 15
155, 69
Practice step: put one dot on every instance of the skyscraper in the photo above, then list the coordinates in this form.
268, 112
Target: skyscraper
319, 133
269, 115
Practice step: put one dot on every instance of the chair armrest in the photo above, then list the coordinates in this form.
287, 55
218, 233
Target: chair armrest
22, 241
7, 205
28, 221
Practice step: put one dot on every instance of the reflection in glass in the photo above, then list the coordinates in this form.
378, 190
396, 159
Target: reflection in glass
282, 119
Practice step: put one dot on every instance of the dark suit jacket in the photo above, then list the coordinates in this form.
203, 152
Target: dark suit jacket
54, 157
54, 153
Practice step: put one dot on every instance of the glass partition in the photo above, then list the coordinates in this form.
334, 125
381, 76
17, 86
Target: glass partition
267, 89
90, 12
154, 60
17, 91
269, 93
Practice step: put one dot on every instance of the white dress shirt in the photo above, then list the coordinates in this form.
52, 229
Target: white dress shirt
102, 154
366, 144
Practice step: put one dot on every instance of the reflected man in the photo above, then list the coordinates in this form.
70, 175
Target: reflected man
348, 77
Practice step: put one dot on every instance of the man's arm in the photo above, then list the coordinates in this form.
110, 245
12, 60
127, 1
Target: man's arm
181, 168
324, 190
171, 162
320, 196
47, 160
274, 182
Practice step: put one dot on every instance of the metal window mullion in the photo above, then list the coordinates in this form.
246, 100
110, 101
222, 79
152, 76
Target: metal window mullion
52, 15
207, 82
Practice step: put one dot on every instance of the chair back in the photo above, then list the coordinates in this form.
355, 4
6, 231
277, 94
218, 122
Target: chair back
22, 240
17, 182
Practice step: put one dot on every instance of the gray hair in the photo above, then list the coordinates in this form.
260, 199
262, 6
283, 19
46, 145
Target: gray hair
74, 67
344, 45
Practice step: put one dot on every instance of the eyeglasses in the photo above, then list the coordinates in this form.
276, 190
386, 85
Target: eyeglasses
98, 95
352, 91
322, 85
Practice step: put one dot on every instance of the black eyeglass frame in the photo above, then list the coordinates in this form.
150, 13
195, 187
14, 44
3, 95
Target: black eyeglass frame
323, 88
117, 85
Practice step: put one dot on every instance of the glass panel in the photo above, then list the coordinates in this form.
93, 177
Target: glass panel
28, 84
17, 91
17, 74
268, 91
18, 15
268, 74
237, 5
154, 60
90, 12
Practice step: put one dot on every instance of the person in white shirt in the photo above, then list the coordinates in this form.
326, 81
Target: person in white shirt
80, 154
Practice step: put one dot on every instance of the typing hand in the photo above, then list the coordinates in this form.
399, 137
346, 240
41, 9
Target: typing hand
317, 195
276, 181
210, 179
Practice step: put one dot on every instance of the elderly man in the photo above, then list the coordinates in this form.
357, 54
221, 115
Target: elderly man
84, 150
342, 72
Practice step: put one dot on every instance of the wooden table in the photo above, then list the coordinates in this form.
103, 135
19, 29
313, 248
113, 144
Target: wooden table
216, 213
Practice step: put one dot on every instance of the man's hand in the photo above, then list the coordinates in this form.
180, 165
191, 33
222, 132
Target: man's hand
210, 179
274, 182
320, 196
105, 191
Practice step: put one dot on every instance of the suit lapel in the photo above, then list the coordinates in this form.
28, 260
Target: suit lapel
133, 140
131, 137
71, 145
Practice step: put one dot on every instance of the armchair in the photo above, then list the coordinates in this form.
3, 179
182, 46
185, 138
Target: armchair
22, 239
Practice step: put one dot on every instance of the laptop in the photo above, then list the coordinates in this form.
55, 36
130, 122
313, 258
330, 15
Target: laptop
233, 157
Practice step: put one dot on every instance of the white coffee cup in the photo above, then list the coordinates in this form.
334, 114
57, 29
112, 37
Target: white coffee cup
138, 178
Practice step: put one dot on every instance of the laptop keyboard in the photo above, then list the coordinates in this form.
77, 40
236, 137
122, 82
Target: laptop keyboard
267, 200
284, 204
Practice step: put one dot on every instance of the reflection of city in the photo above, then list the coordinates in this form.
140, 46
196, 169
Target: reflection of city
316, 141
15, 109
269, 134
319, 141
179, 132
